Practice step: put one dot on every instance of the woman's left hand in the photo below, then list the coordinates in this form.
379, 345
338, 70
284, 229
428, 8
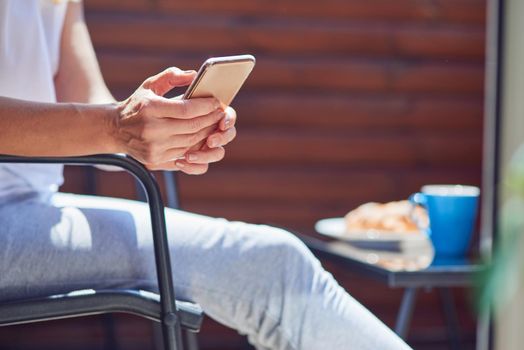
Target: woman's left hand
211, 150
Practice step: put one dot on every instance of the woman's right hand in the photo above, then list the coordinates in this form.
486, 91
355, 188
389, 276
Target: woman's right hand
157, 130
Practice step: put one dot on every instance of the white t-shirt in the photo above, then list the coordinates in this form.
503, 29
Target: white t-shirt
30, 32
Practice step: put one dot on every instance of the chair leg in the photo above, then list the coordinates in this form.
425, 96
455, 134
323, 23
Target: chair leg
172, 334
170, 182
158, 341
109, 324
191, 340
140, 193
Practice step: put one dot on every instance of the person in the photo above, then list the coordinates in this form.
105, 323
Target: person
259, 280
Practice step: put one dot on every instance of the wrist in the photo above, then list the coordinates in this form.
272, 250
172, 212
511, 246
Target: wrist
110, 132
100, 125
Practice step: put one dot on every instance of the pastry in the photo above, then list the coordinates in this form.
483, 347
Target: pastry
398, 217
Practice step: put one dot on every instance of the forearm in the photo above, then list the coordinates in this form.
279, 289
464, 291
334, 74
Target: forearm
58, 129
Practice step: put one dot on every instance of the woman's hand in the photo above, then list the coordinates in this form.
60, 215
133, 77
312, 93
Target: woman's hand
197, 159
157, 131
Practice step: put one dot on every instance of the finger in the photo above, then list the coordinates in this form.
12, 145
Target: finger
163, 166
172, 77
186, 141
229, 121
181, 144
172, 154
198, 146
191, 169
221, 138
211, 155
195, 125
183, 109
197, 140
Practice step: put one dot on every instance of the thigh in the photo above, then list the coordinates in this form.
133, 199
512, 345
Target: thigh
48, 248
78, 242
212, 258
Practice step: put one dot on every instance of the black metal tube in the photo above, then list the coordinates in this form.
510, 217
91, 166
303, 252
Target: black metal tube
170, 321
171, 189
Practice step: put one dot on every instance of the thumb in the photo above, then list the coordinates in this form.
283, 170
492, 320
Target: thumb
172, 77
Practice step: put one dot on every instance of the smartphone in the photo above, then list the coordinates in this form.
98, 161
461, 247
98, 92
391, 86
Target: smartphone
221, 77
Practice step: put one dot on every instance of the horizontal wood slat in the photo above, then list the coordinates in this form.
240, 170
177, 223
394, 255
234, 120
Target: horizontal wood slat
222, 35
469, 11
315, 149
314, 184
403, 113
125, 70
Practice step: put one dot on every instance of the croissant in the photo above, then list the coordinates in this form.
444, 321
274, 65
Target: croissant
398, 217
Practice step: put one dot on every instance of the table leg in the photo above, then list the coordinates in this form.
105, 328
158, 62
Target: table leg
406, 311
451, 318
484, 338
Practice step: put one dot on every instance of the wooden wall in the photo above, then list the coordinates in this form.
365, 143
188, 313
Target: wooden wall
350, 101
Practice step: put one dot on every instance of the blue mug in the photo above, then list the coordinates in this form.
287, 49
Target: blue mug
452, 211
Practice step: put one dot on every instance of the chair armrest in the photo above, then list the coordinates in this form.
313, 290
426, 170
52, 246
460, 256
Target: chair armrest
156, 207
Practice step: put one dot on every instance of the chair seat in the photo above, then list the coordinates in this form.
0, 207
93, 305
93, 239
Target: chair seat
91, 302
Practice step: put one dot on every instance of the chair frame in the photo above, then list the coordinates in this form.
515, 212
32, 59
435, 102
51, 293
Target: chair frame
164, 308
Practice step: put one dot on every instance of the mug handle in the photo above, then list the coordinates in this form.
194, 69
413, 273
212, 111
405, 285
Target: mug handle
417, 199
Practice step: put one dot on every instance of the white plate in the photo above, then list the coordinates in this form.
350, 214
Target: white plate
336, 228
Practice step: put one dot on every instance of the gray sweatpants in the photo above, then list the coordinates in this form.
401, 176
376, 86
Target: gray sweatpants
257, 279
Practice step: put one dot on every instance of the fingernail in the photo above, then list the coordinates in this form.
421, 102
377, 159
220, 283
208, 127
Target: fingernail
213, 142
192, 157
227, 122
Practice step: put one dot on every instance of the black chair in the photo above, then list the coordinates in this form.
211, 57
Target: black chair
174, 316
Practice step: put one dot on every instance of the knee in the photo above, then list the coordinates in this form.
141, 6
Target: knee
289, 260
293, 250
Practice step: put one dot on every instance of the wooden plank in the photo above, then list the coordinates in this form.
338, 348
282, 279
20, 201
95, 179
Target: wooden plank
286, 185
121, 69
324, 186
438, 78
282, 215
463, 11
205, 35
401, 113
120, 6
259, 148
471, 11
314, 74
442, 42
